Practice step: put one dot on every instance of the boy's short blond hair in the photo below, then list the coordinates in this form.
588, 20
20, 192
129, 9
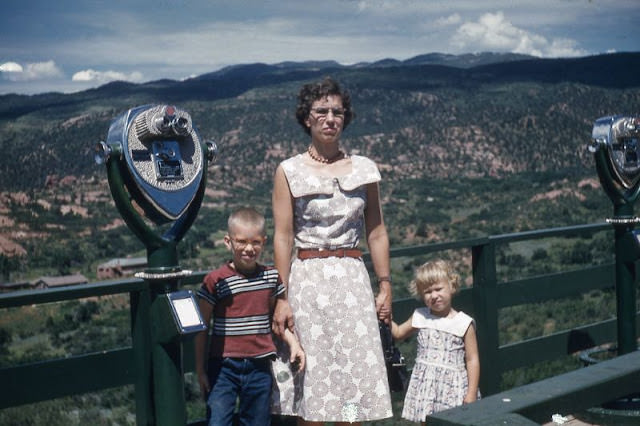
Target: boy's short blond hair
246, 216
431, 273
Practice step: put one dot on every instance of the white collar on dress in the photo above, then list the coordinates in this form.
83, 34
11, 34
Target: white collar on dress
456, 325
301, 183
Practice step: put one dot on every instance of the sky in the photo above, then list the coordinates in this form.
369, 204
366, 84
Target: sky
73, 45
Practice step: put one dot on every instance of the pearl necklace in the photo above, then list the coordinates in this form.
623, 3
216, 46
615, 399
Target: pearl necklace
339, 156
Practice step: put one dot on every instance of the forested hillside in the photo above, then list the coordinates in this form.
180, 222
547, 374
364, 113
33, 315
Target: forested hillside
445, 139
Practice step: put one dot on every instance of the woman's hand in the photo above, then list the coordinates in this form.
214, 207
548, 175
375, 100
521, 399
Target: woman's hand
282, 318
298, 359
383, 305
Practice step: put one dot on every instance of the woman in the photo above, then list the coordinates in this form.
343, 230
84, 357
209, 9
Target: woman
322, 200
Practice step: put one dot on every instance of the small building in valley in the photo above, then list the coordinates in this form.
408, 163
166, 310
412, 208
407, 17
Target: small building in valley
64, 280
121, 267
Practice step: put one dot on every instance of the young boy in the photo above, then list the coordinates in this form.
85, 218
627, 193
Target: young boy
240, 296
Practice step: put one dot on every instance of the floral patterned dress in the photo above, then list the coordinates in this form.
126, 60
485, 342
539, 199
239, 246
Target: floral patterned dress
333, 304
439, 378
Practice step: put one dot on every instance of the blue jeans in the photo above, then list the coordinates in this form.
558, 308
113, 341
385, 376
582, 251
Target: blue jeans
245, 379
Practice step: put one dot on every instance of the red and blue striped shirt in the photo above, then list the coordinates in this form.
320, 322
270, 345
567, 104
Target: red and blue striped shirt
242, 308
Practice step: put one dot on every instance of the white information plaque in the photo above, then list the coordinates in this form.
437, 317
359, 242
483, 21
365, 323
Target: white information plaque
185, 312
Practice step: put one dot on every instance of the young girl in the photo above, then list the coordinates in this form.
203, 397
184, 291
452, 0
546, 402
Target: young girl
447, 368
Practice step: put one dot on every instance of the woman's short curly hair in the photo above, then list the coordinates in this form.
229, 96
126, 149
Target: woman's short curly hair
309, 93
431, 273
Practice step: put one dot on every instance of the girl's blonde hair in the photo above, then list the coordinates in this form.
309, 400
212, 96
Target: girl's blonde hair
431, 273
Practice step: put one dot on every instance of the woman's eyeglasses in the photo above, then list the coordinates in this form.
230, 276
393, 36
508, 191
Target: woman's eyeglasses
322, 112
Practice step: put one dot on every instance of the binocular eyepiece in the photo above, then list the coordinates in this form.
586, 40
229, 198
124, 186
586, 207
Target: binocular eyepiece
162, 121
614, 130
615, 140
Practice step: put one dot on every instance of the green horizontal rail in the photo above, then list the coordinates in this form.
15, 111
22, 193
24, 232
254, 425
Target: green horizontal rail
571, 231
23, 384
543, 288
565, 232
59, 294
556, 345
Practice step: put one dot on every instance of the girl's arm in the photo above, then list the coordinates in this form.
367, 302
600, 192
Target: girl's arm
472, 360
201, 355
282, 204
297, 353
402, 331
378, 242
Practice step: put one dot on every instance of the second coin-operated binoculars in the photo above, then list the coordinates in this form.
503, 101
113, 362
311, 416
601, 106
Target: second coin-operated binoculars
156, 167
615, 143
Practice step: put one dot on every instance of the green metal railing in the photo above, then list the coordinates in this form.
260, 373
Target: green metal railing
23, 384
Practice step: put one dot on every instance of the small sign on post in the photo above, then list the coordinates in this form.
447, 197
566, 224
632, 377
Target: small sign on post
185, 312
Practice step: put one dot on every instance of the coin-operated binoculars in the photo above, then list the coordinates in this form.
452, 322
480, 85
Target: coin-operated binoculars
615, 143
156, 167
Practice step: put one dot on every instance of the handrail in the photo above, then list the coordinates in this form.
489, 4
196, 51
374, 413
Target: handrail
58, 294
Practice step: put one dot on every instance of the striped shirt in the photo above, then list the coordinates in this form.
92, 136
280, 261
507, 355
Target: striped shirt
241, 311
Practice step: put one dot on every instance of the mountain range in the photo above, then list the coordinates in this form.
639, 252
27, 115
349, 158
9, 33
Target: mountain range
616, 70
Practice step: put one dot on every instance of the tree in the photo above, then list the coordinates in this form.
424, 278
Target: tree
9, 264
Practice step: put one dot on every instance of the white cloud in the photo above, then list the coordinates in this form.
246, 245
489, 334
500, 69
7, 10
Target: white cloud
40, 70
10, 67
32, 71
102, 77
492, 32
564, 47
449, 20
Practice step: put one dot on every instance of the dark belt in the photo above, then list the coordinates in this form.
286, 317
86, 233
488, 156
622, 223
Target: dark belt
324, 253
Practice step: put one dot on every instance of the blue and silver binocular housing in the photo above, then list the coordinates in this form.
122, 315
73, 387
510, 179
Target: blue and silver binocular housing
161, 156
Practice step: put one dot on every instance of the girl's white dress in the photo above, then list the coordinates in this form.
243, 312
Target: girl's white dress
333, 304
439, 378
